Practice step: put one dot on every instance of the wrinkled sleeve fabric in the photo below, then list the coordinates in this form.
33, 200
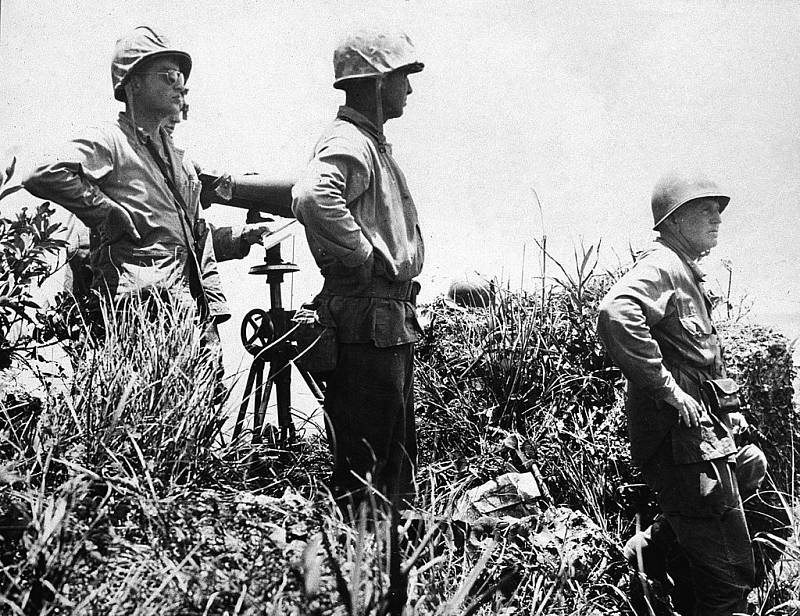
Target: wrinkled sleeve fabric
229, 243
74, 180
336, 176
210, 279
634, 305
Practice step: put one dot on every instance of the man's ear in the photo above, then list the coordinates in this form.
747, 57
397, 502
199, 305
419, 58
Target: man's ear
136, 82
669, 225
672, 220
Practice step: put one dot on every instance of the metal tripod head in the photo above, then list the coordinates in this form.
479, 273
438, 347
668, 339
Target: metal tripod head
265, 336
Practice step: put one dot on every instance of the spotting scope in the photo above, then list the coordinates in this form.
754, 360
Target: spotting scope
255, 192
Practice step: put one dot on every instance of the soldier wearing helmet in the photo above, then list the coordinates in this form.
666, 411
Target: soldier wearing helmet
362, 228
229, 242
656, 325
134, 189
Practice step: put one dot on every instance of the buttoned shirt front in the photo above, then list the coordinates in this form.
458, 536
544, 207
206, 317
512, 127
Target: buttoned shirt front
111, 165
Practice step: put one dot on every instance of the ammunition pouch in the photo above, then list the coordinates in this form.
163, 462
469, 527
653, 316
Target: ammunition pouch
317, 347
721, 396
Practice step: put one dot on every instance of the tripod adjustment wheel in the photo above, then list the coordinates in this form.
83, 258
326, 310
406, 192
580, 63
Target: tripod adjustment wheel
257, 331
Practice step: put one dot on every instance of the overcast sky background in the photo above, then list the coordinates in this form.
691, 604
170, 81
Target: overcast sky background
586, 104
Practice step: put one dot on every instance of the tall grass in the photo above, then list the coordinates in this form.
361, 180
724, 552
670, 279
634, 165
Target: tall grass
146, 396
139, 419
531, 365
118, 495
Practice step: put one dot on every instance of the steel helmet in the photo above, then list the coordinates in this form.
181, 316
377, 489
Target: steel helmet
140, 44
371, 53
472, 294
676, 189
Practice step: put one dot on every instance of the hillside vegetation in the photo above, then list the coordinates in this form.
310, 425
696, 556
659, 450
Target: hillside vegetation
120, 493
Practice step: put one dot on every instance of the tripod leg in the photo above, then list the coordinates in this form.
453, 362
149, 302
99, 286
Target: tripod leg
313, 386
260, 410
256, 367
283, 382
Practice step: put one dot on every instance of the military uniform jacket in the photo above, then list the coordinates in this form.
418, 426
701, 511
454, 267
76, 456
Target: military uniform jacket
354, 202
656, 324
111, 165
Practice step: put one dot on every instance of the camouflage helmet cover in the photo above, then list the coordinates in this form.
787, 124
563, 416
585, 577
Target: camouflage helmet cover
471, 293
141, 44
370, 53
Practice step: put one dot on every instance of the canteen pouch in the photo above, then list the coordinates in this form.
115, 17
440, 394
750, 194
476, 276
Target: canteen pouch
317, 348
722, 396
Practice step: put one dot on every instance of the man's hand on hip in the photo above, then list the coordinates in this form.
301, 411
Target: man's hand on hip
689, 410
365, 270
117, 224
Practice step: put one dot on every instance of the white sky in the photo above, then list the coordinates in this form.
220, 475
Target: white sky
585, 103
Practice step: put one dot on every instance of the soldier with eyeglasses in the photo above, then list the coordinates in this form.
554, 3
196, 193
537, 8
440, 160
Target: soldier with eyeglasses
135, 191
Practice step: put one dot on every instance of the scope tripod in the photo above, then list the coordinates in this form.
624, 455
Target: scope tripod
267, 336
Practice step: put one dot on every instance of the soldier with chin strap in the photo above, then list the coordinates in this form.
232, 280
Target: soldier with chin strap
134, 190
362, 227
656, 325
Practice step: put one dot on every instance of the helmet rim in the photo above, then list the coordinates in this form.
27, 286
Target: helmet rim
184, 60
724, 200
413, 67
677, 188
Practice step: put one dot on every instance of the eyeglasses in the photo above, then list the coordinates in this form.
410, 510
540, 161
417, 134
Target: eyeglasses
172, 77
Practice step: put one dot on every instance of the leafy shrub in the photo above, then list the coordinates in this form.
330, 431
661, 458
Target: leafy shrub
530, 364
25, 243
761, 361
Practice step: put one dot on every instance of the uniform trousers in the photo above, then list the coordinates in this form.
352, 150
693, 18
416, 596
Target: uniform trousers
702, 506
369, 409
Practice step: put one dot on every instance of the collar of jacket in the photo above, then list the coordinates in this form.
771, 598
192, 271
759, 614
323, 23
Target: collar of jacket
682, 251
127, 126
362, 121
167, 146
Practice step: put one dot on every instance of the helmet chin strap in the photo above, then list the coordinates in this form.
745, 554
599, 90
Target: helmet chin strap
379, 102
685, 240
129, 98
379, 111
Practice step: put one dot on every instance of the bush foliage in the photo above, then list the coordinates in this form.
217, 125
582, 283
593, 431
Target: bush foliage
26, 242
761, 361
120, 495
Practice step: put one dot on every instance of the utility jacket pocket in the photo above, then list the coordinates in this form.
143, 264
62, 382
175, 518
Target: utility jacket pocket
696, 325
698, 490
700, 342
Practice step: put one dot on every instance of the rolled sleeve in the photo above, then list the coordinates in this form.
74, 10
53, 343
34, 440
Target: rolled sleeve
229, 243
